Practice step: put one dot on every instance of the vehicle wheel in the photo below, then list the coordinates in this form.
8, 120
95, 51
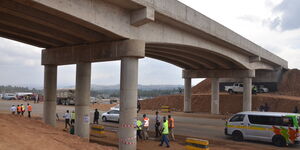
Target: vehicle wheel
230, 91
278, 140
104, 119
237, 136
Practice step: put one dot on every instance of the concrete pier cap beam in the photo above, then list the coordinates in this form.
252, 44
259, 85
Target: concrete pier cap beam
129, 93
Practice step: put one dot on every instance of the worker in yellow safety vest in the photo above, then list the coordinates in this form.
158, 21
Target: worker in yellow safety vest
165, 132
73, 117
138, 127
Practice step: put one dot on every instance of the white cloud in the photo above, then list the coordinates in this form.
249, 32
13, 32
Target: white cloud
20, 63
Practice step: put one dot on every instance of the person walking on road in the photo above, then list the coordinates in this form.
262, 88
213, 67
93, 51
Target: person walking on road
67, 117
145, 127
13, 109
29, 110
171, 126
96, 116
73, 117
157, 124
165, 132
296, 110
138, 126
22, 109
19, 109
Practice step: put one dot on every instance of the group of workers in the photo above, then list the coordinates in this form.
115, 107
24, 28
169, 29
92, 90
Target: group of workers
20, 109
163, 128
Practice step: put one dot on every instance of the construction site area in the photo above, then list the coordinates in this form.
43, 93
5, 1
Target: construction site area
249, 98
199, 124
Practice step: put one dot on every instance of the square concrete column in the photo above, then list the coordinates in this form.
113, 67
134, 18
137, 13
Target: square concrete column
128, 103
50, 85
82, 100
215, 101
187, 95
247, 94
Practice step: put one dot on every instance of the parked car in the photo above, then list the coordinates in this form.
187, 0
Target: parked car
262, 89
281, 129
112, 115
9, 96
235, 88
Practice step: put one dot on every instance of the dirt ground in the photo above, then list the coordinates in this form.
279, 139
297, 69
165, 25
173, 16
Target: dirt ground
22, 133
284, 100
102, 107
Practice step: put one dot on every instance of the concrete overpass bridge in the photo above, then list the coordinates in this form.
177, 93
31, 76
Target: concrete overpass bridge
84, 31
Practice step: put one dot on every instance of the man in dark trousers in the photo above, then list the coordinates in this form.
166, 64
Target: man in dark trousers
157, 124
96, 116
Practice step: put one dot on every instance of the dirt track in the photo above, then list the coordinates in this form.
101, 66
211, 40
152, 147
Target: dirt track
21, 133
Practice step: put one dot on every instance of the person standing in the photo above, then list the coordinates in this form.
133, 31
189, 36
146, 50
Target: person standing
96, 116
138, 126
165, 132
145, 127
296, 110
73, 117
19, 109
171, 126
157, 124
22, 109
29, 110
13, 109
67, 117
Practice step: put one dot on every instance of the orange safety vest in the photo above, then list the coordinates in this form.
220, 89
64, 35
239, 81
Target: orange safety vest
29, 107
19, 108
146, 122
171, 122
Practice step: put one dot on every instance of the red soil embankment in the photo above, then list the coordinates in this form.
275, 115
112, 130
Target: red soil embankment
283, 101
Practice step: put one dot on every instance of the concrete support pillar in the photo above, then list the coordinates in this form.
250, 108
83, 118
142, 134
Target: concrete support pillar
215, 102
128, 103
187, 95
247, 94
50, 85
82, 100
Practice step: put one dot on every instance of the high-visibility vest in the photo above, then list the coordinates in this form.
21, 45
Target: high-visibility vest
19, 109
139, 125
73, 115
171, 123
165, 126
23, 108
146, 122
29, 107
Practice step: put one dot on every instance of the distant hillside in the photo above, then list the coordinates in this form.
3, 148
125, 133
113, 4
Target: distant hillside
140, 87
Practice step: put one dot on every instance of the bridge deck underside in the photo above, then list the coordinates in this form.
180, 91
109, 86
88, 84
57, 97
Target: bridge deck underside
21, 21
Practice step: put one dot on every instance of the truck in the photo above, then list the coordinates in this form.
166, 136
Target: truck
238, 88
65, 97
235, 88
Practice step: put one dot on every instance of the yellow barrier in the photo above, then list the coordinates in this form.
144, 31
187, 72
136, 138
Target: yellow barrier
97, 130
196, 144
165, 109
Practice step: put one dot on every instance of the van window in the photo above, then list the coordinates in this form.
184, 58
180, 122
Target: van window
270, 120
237, 118
241, 85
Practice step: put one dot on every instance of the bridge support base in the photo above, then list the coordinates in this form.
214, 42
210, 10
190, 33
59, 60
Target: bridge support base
128, 103
82, 100
187, 95
50, 85
215, 101
247, 94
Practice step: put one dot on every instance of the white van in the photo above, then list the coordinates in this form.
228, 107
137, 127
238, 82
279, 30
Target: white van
282, 129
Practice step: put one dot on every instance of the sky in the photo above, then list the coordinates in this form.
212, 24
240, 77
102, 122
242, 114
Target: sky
272, 24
